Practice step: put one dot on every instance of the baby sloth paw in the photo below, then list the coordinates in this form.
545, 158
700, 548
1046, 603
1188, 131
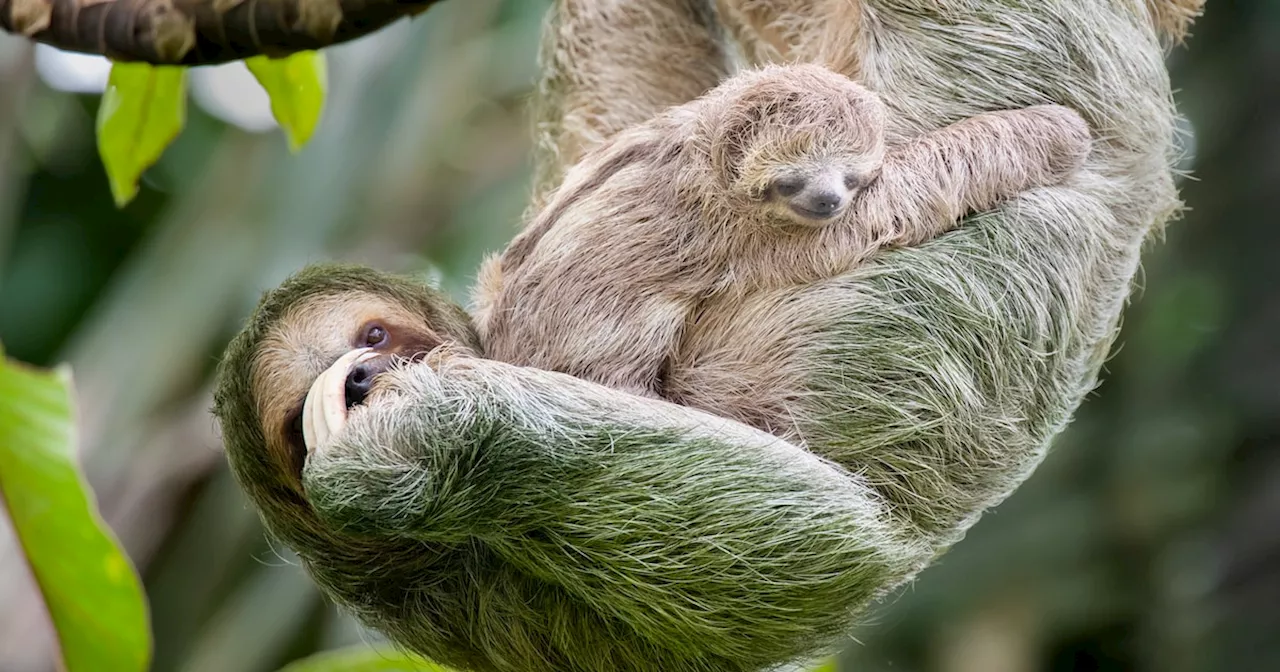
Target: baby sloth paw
334, 392
1070, 141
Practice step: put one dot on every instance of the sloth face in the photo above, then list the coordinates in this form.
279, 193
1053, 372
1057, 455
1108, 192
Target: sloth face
815, 193
801, 143
309, 339
805, 181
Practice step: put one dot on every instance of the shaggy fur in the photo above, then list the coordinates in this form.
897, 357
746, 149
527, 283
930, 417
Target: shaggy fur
600, 76
295, 333
694, 194
776, 31
599, 79
509, 519
1173, 18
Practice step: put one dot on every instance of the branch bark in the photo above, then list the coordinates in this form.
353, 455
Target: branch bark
199, 32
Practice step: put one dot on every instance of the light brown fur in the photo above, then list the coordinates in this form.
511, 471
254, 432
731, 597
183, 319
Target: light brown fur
579, 107
588, 93
680, 211
1173, 18
821, 31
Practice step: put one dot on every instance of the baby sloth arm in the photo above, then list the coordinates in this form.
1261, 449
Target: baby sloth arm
930, 182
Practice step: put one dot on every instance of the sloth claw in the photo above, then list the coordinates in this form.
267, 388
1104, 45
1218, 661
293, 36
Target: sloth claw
324, 413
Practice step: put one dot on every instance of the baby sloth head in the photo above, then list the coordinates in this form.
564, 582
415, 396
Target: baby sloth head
797, 142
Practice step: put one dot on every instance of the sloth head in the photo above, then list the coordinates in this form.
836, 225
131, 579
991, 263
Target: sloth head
297, 332
798, 142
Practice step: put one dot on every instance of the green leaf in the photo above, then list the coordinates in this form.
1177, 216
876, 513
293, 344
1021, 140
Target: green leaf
297, 85
363, 659
91, 590
142, 111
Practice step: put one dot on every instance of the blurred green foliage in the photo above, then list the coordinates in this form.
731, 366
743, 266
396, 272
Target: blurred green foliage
1145, 542
89, 588
144, 108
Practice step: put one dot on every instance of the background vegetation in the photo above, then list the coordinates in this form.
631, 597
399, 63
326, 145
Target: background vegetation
1148, 540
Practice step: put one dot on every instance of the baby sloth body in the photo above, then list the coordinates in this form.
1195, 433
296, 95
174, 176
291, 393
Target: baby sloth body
777, 177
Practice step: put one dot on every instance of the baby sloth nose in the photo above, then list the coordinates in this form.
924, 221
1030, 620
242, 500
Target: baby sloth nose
818, 203
359, 382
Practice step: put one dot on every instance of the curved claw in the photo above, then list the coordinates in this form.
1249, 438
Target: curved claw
325, 411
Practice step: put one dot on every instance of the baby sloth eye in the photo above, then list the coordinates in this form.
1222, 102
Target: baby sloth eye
788, 186
854, 181
374, 336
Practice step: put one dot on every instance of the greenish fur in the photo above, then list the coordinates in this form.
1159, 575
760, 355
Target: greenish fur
497, 518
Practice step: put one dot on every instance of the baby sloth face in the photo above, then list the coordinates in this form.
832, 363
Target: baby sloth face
813, 194
798, 143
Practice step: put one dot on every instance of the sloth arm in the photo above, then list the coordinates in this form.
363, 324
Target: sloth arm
938, 373
637, 506
689, 527
930, 182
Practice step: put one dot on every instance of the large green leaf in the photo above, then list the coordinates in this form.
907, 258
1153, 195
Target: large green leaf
89, 586
297, 85
363, 659
142, 111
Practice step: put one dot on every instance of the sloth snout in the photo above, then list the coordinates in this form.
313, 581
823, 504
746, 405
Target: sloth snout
360, 382
818, 203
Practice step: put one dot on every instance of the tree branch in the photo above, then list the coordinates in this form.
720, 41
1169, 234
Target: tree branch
199, 32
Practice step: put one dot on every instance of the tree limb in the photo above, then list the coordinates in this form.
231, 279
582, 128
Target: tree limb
199, 32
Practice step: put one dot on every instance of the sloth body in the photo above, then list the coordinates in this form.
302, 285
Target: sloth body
501, 518
776, 178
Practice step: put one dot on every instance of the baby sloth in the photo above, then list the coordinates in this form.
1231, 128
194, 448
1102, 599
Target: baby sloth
777, 177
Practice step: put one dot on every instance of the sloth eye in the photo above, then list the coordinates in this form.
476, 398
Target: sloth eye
853, 181
789, 186
375, 336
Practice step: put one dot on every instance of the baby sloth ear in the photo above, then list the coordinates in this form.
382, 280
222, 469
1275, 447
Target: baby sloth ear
740, 109
734, 130
861, 120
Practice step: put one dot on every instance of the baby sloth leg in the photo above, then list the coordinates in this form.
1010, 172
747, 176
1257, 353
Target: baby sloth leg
930, 182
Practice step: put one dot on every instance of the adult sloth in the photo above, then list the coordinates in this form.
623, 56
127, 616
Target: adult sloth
502, 518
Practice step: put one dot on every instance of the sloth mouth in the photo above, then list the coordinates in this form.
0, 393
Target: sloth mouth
815, 215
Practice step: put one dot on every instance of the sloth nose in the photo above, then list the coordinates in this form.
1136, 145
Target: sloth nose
359, 382
818, 203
